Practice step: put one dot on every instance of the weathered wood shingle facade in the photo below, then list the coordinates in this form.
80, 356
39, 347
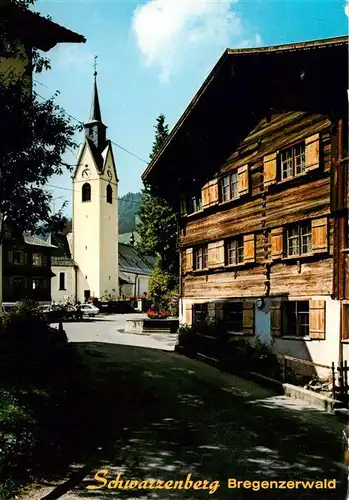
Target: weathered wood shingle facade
259, 158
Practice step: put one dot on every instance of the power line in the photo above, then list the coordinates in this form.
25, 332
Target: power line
82, 123
75, 191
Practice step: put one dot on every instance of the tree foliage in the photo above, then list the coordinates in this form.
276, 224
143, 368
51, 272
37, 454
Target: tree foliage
161, 134
157, 226
34, 138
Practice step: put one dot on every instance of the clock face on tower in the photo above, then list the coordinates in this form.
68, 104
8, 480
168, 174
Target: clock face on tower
109, 174
86, 173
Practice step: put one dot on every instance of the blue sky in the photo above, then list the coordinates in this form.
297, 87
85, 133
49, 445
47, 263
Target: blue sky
154, 55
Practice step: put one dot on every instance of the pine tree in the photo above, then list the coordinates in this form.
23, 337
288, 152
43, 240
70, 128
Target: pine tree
158, 230
161, 134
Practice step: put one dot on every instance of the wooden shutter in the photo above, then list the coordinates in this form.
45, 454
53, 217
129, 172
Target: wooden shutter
317, 319
219, 311
243, 180
189, 259
277, 243
249, 248
216, 254
275, 318
10, 256
248, 318
312, 152
319, 238
270, 169
209, 194
25, 258
188, 314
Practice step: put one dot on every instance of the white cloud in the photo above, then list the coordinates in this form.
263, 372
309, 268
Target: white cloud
346, 8
170, 31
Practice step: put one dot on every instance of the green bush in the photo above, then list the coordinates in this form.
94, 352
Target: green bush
17, 435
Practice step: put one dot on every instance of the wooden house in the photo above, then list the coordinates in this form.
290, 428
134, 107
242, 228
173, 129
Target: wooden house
257, 169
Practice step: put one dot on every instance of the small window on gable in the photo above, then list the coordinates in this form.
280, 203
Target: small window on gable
292, 161
86, 192
109, 194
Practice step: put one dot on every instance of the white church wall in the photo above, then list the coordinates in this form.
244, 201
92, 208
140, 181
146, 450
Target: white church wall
58, 294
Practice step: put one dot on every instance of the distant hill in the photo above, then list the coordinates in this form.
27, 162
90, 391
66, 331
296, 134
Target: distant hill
128, 206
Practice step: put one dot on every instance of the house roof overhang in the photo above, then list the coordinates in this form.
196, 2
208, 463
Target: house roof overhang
35, 30
245, 86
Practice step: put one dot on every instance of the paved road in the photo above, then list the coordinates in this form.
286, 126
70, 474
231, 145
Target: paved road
184, 417
111, 329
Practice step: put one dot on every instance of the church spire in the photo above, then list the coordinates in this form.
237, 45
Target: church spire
95, 113
95, 130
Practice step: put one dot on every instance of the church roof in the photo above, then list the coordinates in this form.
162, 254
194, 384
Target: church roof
131, 261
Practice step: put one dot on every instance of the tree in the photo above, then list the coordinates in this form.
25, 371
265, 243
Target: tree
161, 134
35, 135
158, 231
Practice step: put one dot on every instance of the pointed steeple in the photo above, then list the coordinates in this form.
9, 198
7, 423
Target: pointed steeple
95, 130
95, 113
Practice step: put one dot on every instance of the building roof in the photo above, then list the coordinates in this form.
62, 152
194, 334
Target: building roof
34, 29
244, 84
132, 262
30, 239
126, 238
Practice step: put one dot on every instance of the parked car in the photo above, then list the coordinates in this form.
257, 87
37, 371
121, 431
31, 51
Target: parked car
7, 307
89, 310
55, 313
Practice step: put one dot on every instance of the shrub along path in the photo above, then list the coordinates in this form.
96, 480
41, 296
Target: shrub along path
154, 414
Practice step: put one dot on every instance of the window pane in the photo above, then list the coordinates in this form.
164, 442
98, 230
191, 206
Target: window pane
293, 241
240, 250
299, 158
286, 164
234, 185
305, 231
226, 188
231, 252
200, 313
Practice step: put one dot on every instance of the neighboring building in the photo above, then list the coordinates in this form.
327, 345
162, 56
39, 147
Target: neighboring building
129, 238
134, 272
26, 269
29, 30
261, 157
86, 262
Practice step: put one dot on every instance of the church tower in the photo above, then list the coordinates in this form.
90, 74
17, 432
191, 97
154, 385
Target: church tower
95, 210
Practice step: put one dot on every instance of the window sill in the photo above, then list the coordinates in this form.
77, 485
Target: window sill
226, 202
62, 289
302, 256
296, 337
229, 267
193, 213
239, 334
289, 179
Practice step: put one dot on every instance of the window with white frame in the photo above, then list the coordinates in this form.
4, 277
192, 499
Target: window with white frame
200, 260
229, 187
299, 239
234, 251
292, 161
16, 257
